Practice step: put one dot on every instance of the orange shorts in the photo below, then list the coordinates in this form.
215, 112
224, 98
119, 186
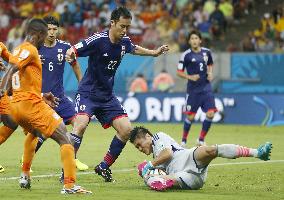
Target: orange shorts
35, 115
5, 105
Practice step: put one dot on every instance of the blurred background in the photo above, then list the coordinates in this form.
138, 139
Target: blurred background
245, 36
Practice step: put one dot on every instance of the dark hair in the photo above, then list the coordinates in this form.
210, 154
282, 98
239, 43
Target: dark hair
194, 32
120, 12
138, 132
36, 26
51, 20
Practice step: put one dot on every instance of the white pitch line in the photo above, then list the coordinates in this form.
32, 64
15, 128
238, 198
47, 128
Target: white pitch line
133, 169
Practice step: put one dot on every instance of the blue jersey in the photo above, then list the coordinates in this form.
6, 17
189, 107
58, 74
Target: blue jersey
196, 63
53, 63
104, 59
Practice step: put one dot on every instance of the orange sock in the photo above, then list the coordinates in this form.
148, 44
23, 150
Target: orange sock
5, 133
29, 152
69, 166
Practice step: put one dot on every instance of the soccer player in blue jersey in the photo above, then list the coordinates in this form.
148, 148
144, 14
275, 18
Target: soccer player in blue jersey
95, 93
52, 55
198, 63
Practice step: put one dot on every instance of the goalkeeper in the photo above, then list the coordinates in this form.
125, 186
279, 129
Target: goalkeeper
185, 168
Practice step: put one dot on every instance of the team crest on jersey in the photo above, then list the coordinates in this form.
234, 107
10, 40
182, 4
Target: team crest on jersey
82, 107
60, 57
24, 54
123, 50
205, 57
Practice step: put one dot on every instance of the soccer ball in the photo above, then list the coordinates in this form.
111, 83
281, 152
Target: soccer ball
152, 172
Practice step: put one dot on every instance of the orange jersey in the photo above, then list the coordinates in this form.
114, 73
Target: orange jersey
27, 81
4, 53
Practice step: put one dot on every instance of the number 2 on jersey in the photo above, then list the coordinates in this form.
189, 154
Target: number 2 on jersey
201, 66
16, 81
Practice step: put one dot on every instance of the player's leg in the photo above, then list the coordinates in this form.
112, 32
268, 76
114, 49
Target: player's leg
67, 158
113, 114
29, 152
205, 154
190, 110
9, 126
123, 127
208, 106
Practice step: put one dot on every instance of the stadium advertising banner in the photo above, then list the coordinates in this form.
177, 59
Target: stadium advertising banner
232, 109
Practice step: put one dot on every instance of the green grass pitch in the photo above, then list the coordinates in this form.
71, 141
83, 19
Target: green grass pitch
245, 178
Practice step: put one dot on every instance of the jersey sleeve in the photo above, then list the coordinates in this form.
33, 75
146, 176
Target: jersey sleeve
210, 59
161, 141
5, 54
23, 56
130, 47
181, 65
87, 47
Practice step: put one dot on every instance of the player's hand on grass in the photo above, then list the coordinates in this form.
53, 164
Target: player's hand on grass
194, 77
50, 99
161, 50
70, 55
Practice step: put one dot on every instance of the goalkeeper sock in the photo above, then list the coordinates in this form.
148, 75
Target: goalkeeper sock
5, 133
114, 151
77, 143
29, 152
235, 151
39, 143
69, 166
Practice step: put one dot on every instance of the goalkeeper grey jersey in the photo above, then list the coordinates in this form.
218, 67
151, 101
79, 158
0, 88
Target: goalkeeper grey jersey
182, 159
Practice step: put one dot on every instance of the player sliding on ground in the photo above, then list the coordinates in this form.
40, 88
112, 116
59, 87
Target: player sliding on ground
185, 168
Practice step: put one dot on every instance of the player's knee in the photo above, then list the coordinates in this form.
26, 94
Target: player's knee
211, 151
210, 114
124, 132
80, 124
191, 117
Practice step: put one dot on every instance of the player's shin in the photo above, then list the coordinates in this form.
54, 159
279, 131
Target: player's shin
114, 151
77, 142
39, 143
235, 151
186, 128
205, 128
29, 152
69, 167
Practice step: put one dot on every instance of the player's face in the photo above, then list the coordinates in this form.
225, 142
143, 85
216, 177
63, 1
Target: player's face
52, 32
194, 41
120, 27
144, 144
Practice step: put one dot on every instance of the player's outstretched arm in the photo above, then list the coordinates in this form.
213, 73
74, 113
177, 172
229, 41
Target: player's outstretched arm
147, 52
77, 70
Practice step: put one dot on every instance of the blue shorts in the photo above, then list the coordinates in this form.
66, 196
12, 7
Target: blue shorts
65, 110
105, 112
205, 100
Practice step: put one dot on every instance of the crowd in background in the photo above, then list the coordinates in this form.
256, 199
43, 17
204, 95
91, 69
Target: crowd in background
154, 21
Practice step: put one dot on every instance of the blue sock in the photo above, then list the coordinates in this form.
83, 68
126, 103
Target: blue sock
186, 128
114, 151
77, 142
205, 128
39, 143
